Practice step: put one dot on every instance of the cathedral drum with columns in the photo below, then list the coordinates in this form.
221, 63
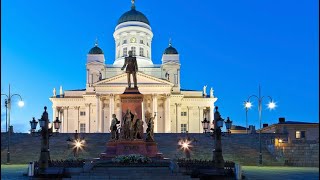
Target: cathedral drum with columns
90, 110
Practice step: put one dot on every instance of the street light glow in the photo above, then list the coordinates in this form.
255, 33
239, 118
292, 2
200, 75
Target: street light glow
20, 103
185, 144
248, 104
78, 144
272, 105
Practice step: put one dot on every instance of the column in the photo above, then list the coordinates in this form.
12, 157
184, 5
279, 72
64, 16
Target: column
55, 112
111, 108
87, 117
200, 118
102, 122
98, 113
178, 117
211, 113
167, 115
77, 122
61, 119
66, 129
143, 117
155, 109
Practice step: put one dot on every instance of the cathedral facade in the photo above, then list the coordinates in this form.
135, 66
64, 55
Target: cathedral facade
90, 110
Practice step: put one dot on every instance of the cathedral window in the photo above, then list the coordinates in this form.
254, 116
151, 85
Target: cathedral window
124, 41
141, 41
141, 52
82, 113
183, 128
147, 53
125, 51
147, 44
118, 54
133, 49
118, 44
82, 128
183, 113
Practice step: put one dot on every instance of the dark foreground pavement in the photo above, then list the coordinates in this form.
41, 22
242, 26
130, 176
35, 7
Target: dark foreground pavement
14, 172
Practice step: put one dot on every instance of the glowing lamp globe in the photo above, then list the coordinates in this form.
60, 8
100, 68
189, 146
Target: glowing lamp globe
248, 104
20, 103
271, 105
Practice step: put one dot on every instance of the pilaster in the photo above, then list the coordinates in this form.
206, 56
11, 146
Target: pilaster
167, 114
155, 110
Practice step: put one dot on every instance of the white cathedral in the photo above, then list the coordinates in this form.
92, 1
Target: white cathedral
90, 110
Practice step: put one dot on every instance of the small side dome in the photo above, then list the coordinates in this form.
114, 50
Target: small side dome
170, 50
95, 50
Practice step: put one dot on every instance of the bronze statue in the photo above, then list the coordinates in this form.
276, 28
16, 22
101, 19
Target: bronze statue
114, 128
125, 125
131, 68
138, 129
150, 123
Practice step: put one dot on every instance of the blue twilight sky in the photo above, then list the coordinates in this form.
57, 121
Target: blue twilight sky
232, 46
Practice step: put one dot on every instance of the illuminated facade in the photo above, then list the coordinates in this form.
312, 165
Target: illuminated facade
90, 110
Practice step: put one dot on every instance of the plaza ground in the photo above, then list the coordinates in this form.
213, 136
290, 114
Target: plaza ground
14, 172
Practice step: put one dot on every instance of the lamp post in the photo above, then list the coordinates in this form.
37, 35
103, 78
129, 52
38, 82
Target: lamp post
45, 133
217, 151
271, 105
8, 108
246, 116
228, 123
205, 125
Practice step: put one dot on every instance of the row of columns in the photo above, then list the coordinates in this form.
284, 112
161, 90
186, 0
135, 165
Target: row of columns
101, 113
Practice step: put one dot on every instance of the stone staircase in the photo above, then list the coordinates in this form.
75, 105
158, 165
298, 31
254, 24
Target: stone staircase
132, 173
240, 148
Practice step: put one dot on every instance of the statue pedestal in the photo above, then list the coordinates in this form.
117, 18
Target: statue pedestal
132, 99
126, 147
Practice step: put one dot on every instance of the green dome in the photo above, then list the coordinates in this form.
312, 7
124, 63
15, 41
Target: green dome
95, 50
170, 50
133, 15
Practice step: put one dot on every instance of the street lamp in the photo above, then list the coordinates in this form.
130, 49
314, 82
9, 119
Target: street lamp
247, 106
271, 105
45, 133
217, 150
228, 123
8, 108
205, 125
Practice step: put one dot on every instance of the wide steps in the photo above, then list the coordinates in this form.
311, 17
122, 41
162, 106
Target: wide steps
142, 173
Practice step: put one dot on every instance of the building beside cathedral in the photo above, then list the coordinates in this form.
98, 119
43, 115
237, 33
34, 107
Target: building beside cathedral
90, 110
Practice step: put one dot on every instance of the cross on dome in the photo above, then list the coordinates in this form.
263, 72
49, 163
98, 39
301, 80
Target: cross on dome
132, 4
96, 42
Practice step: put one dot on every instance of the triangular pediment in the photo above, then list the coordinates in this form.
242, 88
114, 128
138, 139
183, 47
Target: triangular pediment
142, 80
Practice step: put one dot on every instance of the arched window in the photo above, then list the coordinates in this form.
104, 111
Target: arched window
141, 52
133, 49
125, 52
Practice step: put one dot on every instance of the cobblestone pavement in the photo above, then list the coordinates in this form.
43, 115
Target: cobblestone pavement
14, 172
